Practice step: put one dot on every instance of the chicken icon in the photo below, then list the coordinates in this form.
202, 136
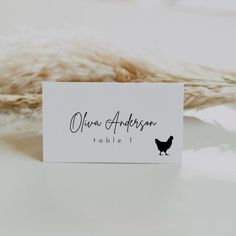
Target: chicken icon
164, 146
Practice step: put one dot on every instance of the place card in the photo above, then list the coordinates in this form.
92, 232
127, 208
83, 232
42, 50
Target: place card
112, 122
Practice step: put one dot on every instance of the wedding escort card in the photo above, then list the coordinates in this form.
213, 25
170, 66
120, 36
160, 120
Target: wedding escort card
112, 122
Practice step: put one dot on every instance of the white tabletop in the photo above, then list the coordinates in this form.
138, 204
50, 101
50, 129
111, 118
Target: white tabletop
197, 197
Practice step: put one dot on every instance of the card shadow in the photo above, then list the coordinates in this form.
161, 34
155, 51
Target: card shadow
199, 134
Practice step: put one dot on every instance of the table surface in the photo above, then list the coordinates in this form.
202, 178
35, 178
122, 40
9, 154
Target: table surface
197, 197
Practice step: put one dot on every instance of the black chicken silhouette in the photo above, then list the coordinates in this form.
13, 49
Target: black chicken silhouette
164, 146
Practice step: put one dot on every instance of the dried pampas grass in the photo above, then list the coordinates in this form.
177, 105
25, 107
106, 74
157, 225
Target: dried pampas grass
26, 61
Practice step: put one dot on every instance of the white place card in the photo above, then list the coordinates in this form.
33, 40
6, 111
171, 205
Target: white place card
112, 122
